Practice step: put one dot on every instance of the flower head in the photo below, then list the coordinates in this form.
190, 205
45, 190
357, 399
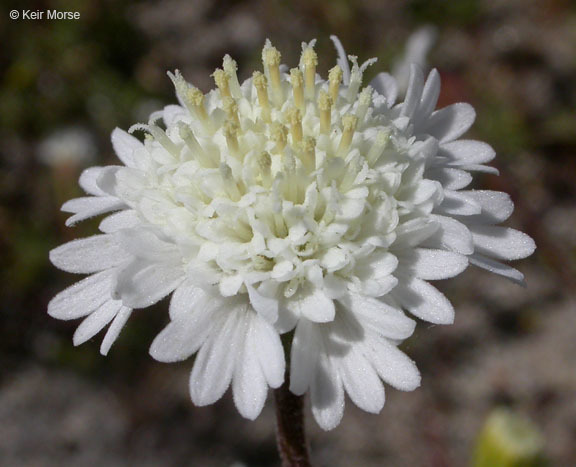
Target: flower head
291, 204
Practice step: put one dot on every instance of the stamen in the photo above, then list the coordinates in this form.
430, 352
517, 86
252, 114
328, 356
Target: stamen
221, 80
264, 162
335, 77
297, 80
271, 60
349, 123
229, 182
261, 84
308, 153
160, 136
309, 61
363, 103
325, 106
294, 118
231, 108
355, 80
278, 135
197, 151
194, 98
352, 169
231, 134
230, 67
378, 147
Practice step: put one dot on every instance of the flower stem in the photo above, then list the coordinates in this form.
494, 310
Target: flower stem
290, 433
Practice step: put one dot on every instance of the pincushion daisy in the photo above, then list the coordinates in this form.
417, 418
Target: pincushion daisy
289, 205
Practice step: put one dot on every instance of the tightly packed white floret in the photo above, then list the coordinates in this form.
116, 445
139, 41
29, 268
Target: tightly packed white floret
288, 204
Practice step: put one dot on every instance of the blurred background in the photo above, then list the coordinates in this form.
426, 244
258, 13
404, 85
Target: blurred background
64, 85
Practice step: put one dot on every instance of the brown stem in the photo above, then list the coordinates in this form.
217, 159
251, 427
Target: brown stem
290, 433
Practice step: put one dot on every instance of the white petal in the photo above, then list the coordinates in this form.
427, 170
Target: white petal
452, 235
114, 329
327, 395
498, 268
249, 385
496, 206
124, 145
414, 232
501, 242
385, 84
145, 243
304, 356
361, 382
267, 307
380, 286
107, 179
181, 338
265, 343
457, 203
90, 206
96, 321
119, 220
187, 298
414, 91
465, 152
88, 255
379, 316
424, 301
141, 284
451, 179
83, 297
432, 265
88, 180
214, 363
429, 95
334, 286
171, 114
391, 364
230, 285
312, 303
449, 123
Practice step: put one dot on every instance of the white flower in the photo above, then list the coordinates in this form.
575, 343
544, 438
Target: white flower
72, 145
288, 203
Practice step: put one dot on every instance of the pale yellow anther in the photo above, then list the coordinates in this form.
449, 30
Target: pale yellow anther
294, 118
231, 135
271, 61
194, 100
335, 77
349, 123
278, 135
325, 107
309, 61
307, 152
297, 81
230, 67
364, 100
378, 147
230, 106
221, 80
261, 85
